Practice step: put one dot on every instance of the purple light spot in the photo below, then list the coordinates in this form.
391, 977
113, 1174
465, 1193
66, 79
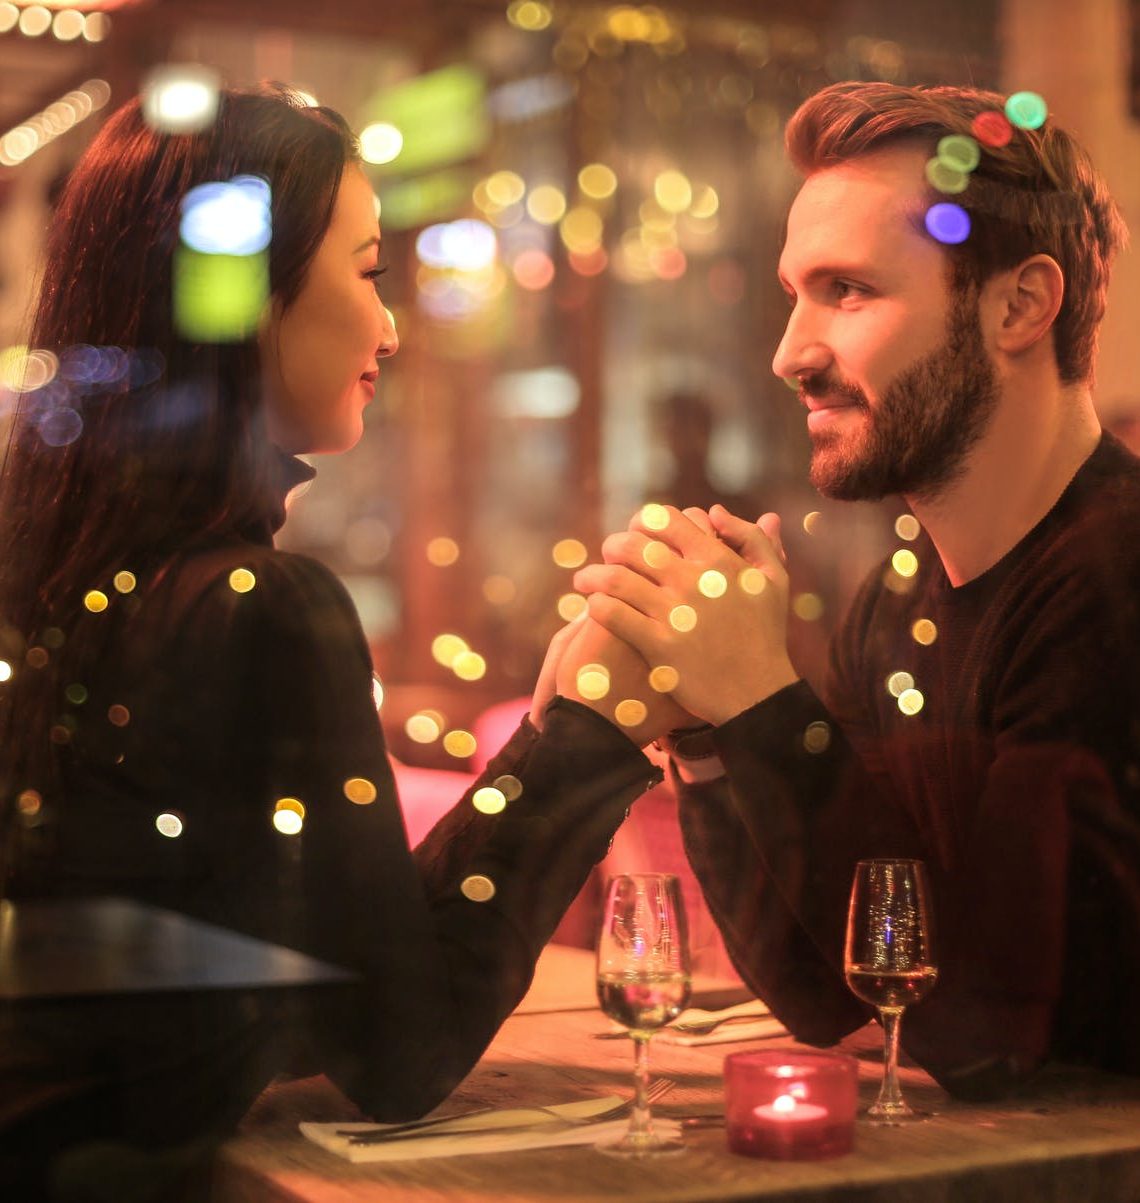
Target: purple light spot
948, 223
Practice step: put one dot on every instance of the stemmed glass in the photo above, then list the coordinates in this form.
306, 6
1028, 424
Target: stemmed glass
889, 960
643, 982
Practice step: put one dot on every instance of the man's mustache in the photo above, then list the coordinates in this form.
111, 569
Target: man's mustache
823, 386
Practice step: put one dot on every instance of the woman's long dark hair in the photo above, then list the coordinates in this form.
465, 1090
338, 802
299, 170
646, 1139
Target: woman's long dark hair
168, 446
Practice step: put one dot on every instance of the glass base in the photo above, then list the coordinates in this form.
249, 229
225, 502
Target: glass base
894, 1117
647, 1145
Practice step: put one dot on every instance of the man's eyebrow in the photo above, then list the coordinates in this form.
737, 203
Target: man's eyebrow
373, 241
828, 271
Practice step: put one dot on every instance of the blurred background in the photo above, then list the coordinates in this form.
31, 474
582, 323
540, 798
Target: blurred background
582, 207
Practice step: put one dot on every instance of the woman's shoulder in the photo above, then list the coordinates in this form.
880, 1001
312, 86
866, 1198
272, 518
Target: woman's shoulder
245, 590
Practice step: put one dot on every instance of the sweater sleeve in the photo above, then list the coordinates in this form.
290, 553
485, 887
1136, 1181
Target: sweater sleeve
444, 943
1034, 861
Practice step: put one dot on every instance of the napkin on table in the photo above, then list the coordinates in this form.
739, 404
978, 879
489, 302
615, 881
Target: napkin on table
536, 1130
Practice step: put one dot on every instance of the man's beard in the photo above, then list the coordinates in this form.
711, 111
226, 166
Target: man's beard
915, 441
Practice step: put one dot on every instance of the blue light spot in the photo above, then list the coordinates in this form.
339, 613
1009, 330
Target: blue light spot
947, 222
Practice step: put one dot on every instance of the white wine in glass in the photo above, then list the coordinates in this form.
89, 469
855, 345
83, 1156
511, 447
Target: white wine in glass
889, 959
643, 982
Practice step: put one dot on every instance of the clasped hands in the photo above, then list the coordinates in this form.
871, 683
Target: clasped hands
686, 623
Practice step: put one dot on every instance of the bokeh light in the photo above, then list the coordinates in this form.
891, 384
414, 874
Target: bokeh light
380, 142
924, 631
593, 681
597, 181
1027, 110
948, 223
569, 553
360, 791
488, 800
180, 98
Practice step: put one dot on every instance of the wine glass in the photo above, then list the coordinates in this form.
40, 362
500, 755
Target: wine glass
643, 982
889, 960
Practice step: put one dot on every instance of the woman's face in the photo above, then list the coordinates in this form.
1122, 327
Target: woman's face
319, 356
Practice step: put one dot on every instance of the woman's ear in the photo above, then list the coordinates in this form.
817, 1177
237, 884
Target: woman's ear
1028, 299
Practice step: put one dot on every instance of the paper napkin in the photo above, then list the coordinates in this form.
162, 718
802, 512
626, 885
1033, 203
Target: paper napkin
535, 1130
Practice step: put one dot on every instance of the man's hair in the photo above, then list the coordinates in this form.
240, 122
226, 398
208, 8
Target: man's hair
1039, 194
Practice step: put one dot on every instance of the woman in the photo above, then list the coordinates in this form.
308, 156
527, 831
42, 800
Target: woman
157, 722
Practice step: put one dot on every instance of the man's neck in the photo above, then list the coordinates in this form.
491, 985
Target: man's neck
1033, 448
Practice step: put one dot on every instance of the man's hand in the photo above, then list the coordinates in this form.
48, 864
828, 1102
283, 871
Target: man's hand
710, 604
607, 675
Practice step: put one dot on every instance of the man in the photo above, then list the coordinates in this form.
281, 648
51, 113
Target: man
982, 711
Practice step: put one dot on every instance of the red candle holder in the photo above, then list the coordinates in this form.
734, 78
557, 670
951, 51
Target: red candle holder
790, 1106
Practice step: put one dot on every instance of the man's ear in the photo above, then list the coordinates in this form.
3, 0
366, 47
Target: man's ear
1028, 299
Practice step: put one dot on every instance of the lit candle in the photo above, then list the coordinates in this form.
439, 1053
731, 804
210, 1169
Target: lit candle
790, 1110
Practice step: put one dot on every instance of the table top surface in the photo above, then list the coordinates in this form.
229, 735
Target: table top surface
1074, 1136
64, 948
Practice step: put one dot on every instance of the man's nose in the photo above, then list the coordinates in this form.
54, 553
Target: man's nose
801, 350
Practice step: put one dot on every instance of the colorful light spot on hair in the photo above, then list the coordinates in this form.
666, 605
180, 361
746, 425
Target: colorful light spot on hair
169, 824
630, 712
712, 583
656, 554
569, 553
948, 223
1027, 110
124, 581
477, 888
898, 683
924, 631
37, 657
360, 791
817, 737
509, 785
96, 601
488, 800
945, 177
459, 743
808, 607
911, 701
907, 527
60, 426
960, 152
380, 142
992, 128
571, 605
593, 681
654, 516
118, 715
682, 618
664, 678
904, 562
242, 580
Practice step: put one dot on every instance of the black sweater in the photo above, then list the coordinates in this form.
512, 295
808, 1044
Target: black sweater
215, 705
1018, 782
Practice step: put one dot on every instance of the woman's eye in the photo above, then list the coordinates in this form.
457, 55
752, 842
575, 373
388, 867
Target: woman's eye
375, 273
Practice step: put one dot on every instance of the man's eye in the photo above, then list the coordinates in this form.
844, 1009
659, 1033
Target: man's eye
844, 289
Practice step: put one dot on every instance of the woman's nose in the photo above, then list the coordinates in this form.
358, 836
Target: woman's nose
389, 340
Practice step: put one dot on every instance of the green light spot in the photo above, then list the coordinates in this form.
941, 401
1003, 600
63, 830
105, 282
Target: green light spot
1027, 110
219, 298
946, 178
959, 152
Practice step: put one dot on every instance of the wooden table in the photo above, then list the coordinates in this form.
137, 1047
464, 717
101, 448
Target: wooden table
1075, 1137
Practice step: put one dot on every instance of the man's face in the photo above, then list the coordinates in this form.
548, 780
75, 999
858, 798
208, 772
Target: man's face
892, 367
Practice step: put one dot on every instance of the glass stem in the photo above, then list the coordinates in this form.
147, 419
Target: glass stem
890, 1096
639, 1118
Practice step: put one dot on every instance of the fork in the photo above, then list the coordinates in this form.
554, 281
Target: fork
415, 1129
